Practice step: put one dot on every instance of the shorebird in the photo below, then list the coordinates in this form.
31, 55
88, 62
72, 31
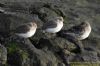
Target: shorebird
26, 30
78, 32
53, 25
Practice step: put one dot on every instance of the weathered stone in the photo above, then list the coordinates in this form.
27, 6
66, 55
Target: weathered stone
90, 56
3, 55
17, 56
47, 49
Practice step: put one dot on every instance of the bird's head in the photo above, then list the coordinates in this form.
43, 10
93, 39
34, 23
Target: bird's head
33, 24
85, 24
59, 19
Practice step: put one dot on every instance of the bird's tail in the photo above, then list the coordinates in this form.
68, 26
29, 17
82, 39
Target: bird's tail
60, 33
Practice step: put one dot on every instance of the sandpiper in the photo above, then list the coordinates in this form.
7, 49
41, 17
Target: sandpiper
78, 32
53, 25
26, 30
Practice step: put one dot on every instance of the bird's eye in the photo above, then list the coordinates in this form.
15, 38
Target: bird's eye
60, 19
30, 24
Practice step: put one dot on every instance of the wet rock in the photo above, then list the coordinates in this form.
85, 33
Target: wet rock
17, 56
44, 58
44, 11
3, 55
45, 49
90, 56
61, 64
34, 56
4, 23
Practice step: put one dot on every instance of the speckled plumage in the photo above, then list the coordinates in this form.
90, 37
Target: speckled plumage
27, 30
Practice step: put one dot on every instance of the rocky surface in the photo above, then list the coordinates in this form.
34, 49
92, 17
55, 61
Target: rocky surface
48, 49
3, 55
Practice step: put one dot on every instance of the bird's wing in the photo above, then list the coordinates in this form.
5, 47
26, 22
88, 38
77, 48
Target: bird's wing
50, 24
66, 34
22, 29
75, 29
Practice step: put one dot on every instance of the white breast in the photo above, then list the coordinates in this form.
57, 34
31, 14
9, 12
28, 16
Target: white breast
56, 29
28, 34
86, 34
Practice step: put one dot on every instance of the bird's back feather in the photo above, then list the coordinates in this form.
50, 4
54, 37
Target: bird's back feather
50, 24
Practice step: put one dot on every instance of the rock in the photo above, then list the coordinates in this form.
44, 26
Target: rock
3, 55
90, 56
61, 64
45, 49
17, 56
4, 23
44, 58
43, 10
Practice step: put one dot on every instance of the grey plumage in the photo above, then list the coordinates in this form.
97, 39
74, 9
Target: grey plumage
26, 30
77, 31
49, 24
54, 25
23, 28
